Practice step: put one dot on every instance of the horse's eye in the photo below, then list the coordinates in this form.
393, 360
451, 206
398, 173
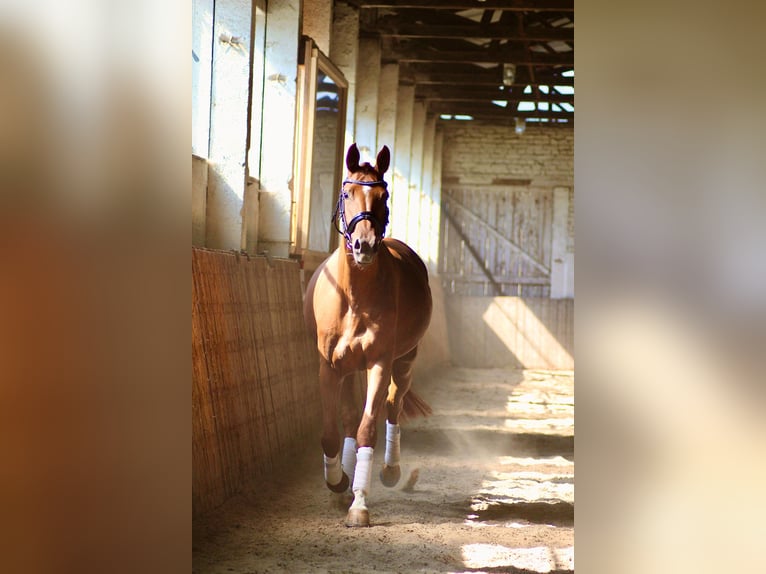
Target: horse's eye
345, 194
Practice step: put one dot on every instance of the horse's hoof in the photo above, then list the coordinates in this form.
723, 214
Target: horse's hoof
409, 486
357, 517
390, 475
341, 501
342, 486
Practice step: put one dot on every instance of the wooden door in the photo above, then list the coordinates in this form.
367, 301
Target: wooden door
496, 240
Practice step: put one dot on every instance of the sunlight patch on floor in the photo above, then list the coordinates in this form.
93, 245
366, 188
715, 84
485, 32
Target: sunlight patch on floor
511, 487
538, 559
534, 493
529, 461
561, 426
472, 521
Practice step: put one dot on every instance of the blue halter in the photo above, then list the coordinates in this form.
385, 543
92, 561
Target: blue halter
340, 213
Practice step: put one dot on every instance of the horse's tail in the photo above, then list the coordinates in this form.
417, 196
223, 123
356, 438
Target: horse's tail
414, 406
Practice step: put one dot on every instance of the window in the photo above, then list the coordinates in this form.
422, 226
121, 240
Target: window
202, 70
319, 149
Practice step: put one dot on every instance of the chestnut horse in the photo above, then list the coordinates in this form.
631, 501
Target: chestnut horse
368, 304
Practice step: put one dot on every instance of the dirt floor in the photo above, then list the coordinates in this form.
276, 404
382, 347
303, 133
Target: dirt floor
494, 492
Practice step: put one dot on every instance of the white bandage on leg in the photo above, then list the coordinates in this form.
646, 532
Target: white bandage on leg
332, 470
393, 434
363, 475
348, 460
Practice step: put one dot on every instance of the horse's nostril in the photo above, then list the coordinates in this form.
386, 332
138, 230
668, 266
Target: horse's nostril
357, 245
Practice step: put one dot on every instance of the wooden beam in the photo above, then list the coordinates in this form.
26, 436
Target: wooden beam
518, 57
470, 94
509, 121
480, 78
510, 5
400, 29
476, 110
503, 123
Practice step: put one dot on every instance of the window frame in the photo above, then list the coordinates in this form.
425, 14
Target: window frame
311, 61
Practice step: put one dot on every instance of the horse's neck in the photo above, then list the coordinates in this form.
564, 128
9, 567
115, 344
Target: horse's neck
360, 286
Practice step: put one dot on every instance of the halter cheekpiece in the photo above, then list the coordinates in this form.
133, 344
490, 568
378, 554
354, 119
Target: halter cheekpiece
347, 228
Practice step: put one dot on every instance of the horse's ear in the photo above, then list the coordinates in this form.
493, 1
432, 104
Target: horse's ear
352, 158
383, 160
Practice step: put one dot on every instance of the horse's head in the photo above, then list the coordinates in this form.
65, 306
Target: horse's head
362, 205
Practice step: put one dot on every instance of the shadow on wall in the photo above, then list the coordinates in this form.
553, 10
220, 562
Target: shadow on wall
434, 348
530, 333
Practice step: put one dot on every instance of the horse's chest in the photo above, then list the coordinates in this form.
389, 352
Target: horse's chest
358, 345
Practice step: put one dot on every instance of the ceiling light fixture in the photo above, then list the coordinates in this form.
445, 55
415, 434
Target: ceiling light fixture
509, 74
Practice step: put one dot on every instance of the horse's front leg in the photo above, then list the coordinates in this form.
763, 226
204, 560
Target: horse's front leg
400, 385
329, 390
377, 386
349, 416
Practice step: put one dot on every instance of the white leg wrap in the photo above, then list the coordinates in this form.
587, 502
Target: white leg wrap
332, 470
393, 434
362, 476
348, 460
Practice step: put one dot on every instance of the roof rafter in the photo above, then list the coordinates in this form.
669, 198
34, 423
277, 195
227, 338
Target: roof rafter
461, 94
518, 57
430, 75
477, 109
399, 29
455, 52
509, 5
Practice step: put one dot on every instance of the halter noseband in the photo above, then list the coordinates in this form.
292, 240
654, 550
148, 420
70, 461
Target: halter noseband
340, 213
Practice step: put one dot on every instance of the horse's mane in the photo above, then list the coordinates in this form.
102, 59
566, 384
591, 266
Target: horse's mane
367, 169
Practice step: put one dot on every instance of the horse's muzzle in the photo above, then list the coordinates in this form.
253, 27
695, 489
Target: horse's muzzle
364, 252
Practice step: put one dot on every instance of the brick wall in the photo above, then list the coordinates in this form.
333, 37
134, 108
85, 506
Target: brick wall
483, 154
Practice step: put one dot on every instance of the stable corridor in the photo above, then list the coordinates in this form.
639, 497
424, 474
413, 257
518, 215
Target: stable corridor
487, 486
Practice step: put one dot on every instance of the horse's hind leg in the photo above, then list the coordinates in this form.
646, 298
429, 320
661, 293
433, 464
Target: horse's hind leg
329, 388
400, 385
